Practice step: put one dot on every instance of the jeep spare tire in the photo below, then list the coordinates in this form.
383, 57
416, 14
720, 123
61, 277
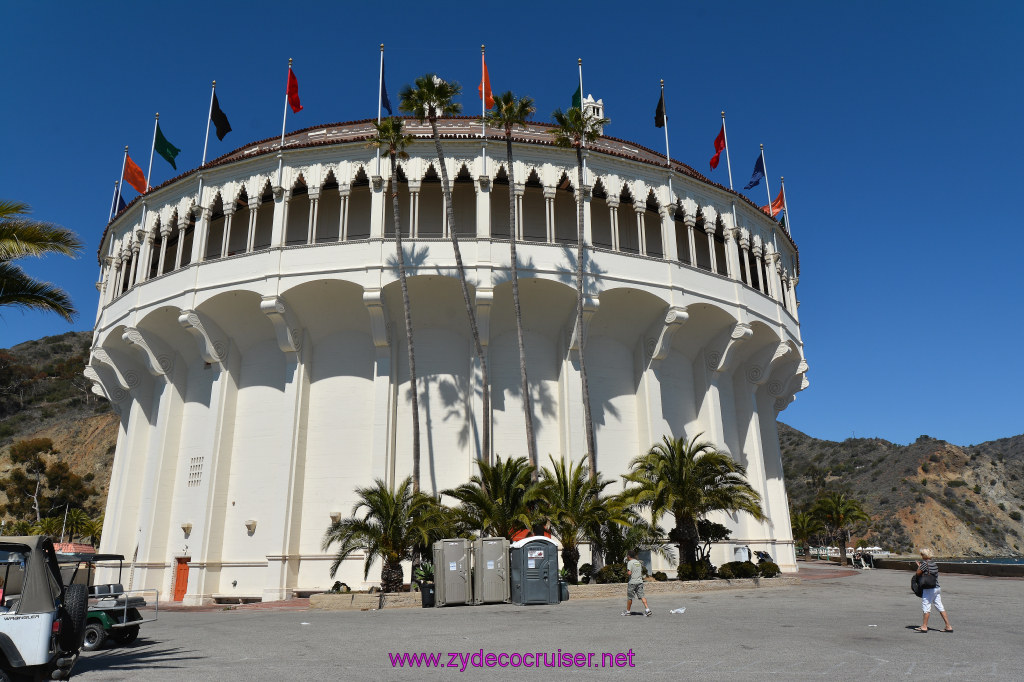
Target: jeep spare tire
76, 605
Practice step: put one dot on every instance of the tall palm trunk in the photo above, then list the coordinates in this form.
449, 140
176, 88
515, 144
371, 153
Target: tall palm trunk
474, 330
587, 420
408, 330
531, 443
391, 576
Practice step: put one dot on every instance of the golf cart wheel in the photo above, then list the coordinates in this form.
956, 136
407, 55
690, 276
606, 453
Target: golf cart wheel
126, 635
95, 635
76, 605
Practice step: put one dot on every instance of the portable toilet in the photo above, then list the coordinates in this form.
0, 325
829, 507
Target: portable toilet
490, 571
533, 566
452, 582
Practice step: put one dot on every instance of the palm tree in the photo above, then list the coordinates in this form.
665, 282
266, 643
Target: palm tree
502, 499
76, 524
391, 139
804, 525
576, 509
836, 512
510, 112
575, 128
394, 521
432, 97
94, 531
51, 525
21, 236
689, 479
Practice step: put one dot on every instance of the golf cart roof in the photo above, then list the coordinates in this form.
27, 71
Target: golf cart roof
81, 558
21, 543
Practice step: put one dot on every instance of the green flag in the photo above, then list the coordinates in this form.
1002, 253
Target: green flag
577, 98
165, 148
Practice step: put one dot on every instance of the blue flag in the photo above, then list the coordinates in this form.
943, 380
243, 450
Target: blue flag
384, 101
120, 204
756, 178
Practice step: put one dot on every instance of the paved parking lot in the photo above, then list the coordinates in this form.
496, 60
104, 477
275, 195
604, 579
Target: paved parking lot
843, 627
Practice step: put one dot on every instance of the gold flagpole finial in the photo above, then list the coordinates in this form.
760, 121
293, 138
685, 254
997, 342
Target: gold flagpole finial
382, 47
126, 149
289, 62
580, 61
782, 179
662, 82
214, 83
158, 115
762, 147
723, 114
482, 49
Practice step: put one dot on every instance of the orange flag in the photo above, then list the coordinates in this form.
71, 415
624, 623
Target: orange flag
485, 88
133, 175
777, 205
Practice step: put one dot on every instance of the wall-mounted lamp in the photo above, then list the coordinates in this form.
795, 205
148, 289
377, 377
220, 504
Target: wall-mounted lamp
186, 528
335, 517
251, 526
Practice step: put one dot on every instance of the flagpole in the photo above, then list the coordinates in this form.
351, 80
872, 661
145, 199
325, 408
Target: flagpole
728, 163
483, 105
149, 172
120, 182
209, 115
579, 63
766, 187
284, 122
785, 206
113, 202
380, 96
668, 157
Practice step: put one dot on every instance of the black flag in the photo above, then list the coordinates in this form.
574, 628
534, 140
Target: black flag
659, 114
219, 119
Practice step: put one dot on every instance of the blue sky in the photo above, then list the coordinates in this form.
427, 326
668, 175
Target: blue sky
896, 125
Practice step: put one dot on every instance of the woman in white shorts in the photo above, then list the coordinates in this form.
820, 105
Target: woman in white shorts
931, 595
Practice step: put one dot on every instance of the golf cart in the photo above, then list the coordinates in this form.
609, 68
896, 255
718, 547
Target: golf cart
113, 613
42, 618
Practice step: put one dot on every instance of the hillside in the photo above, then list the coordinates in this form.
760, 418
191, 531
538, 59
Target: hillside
44, 395
960, 500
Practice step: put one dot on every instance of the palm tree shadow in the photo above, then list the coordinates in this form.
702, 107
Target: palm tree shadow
414, 259
503, 271
592, 272
144, 654
540, 399
456, 397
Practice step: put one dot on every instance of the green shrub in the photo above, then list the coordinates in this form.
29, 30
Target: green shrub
739, 569
725, 572
956, 483
977, 489
586, 572
612, 573
660, 576
1015, 515
702, 570
768, 569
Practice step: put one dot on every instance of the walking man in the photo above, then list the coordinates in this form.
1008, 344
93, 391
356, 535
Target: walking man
635, 587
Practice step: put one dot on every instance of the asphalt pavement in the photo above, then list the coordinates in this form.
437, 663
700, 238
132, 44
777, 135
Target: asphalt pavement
836, 626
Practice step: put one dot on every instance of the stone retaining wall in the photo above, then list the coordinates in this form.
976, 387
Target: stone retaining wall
399, 600
995, 570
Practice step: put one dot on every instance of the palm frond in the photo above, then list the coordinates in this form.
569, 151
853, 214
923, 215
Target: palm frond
20, 290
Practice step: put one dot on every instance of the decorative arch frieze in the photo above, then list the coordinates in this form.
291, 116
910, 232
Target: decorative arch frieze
761, 365
127, 378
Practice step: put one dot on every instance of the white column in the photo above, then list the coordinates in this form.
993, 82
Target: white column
691, 228
613, 220
134, 263
182, 226
520, 189
314, 209
343, 193
759, 264
709, 228
225, 242
200, 235
483, 208
641, 236
165, 234
254, 214
277, 234
549, 213
731, 253
745, 258
668, 236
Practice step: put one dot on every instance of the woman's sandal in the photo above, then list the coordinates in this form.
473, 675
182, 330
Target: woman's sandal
948, 630
920, 630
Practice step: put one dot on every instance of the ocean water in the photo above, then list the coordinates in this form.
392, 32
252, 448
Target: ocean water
991, 560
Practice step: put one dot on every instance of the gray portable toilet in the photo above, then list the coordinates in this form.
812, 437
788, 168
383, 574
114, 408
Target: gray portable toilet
490, 571
534, 571
451, 572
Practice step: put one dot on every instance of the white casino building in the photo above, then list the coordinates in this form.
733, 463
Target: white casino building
250, 337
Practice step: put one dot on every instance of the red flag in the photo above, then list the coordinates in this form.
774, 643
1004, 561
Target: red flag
719, 146
777, 205
133, 175
485, 88
293, 92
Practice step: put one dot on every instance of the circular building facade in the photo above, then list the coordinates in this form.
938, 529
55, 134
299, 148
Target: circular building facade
250, 336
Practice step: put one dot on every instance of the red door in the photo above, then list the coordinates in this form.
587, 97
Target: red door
181, 579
